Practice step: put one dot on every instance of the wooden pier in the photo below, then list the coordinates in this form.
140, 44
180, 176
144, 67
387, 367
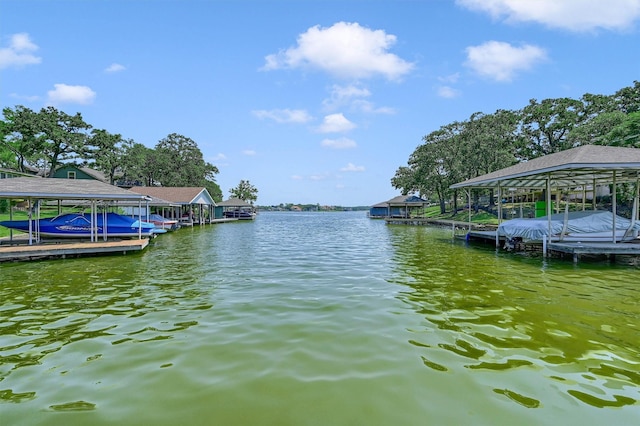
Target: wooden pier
443, 223
62, 249
608, 250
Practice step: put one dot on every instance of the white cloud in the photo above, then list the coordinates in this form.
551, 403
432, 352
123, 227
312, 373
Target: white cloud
297, 177
352, 168
500, 61
19, 52
63, 93
335, 123
448, 92
370, 108
341, 95
219, 157
352, 96
574, 15
346, 50
22, 41
340, 143
451, 78
115, 68
249, 152
284, 115
28, 98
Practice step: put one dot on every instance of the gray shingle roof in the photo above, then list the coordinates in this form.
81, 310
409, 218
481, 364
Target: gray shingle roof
63, 189
572, 167
234, 202
180, 195
97, 174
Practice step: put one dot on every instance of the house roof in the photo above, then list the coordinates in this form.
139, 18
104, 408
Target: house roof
14, 172
234, 202
63, 189
406, 200
402, 200
384, 204
156, 202
572, 167
177, 194
97, 174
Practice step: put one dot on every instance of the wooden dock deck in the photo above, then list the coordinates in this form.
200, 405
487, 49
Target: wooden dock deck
609, 250
61, 249
488, 236
443, 223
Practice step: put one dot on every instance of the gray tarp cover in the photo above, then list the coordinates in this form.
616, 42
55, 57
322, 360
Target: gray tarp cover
583, 222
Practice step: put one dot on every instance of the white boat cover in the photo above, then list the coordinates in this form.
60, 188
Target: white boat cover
582, 225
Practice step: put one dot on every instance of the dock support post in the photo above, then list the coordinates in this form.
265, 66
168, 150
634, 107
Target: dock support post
499, 212
544, 240
614, 208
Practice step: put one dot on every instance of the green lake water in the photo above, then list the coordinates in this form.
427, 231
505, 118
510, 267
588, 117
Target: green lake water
318, 319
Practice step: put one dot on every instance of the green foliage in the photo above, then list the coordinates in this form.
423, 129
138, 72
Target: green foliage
245, 191
63, 136
22, 136
491, 141
181, 163
546, 125
7, 158
138, 165
106, 150
626, 133
488, 142
50, 137
628, 98
45, 138
214, 190
595, 130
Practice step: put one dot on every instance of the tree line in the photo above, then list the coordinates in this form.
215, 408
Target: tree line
484, 143
45, 139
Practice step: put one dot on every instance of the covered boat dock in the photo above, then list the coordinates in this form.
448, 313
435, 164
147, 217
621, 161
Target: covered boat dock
190, 205
235, 208
90, 194
577, 170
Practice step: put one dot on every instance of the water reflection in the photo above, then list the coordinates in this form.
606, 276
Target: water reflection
65, 304
304, 318
566, 328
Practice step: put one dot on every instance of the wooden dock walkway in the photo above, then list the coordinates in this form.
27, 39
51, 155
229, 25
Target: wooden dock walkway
609, 250
444, 223
61, 249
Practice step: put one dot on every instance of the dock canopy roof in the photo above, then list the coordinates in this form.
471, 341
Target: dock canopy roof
182, 195
574, 167
406, 200
234, 202
64, 189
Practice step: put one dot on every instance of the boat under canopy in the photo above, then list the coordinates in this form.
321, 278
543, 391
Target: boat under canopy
79, 225
578, 226
162, 222
571, 170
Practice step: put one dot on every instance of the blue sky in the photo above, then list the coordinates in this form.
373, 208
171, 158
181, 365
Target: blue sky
311, 101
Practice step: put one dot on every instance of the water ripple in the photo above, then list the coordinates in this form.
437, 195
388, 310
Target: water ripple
317, 318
